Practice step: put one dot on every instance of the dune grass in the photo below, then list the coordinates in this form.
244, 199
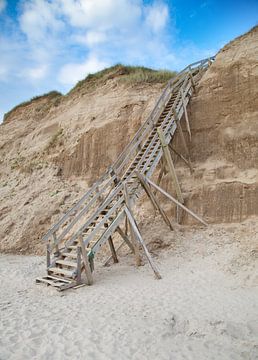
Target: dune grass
50, 95
127, 74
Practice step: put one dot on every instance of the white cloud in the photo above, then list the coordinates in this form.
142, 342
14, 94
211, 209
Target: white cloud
91, 38
39, 19
157, 16
2, 5
36, 73
101, 14
71, 73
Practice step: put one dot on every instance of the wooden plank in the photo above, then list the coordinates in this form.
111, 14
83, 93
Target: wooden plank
140, 239
153, 199
61, 271
170, 164
66, 263
132, 233
186, 115
87, 269
176, 202
112, 249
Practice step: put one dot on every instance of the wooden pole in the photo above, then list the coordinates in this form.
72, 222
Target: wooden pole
87, 269
125, 241
79, 268
170, 164
117, 249
180, 155
176, 202
140, 239
48, 255
125, 238
134, 241
153, 199
113, 250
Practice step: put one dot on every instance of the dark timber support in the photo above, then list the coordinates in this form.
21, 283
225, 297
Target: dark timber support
153, 199
132, 232
113, 250
140, 239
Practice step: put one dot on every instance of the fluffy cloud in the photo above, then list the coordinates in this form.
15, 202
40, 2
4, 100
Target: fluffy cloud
71, 73
157, 16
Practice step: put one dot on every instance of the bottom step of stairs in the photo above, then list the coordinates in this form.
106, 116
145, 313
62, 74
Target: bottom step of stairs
58, 282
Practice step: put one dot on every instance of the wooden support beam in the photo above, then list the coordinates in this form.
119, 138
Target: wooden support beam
87, 268
125, 238
57, 252
117, 249
132, 233
179, 155
186, 115
141, 241
170, 164
176, 202
79, 266
153, 199
113, 250
181, 133
161, 173
125, 241
48, 255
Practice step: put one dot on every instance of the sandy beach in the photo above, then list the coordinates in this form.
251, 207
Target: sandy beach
205, 306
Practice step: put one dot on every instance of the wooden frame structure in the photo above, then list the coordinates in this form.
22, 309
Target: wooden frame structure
75, 239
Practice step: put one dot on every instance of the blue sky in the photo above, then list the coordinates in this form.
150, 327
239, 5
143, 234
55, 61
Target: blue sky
51, 44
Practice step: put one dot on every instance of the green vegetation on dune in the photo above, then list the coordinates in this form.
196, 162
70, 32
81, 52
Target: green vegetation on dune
128, 74
50, 95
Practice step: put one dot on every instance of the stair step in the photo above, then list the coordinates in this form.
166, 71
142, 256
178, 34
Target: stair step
67, 263
70, 254
65, 272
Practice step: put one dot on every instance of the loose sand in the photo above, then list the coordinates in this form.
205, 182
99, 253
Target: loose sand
205, 307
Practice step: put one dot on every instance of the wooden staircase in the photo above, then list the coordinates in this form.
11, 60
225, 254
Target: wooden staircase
100, 212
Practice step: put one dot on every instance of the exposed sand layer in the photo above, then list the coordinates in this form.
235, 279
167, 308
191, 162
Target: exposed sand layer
205, 307
53, 148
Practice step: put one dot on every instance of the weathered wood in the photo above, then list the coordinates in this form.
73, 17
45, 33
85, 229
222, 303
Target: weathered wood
179, 155
170, 164
186, 115
79, 266
176, 202
125, 238
140, 239
48, 255
192, 80
113, 250
86, 264
153, 199
117, 249
132, 233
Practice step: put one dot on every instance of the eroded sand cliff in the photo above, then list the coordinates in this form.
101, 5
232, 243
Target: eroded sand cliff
53, 148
